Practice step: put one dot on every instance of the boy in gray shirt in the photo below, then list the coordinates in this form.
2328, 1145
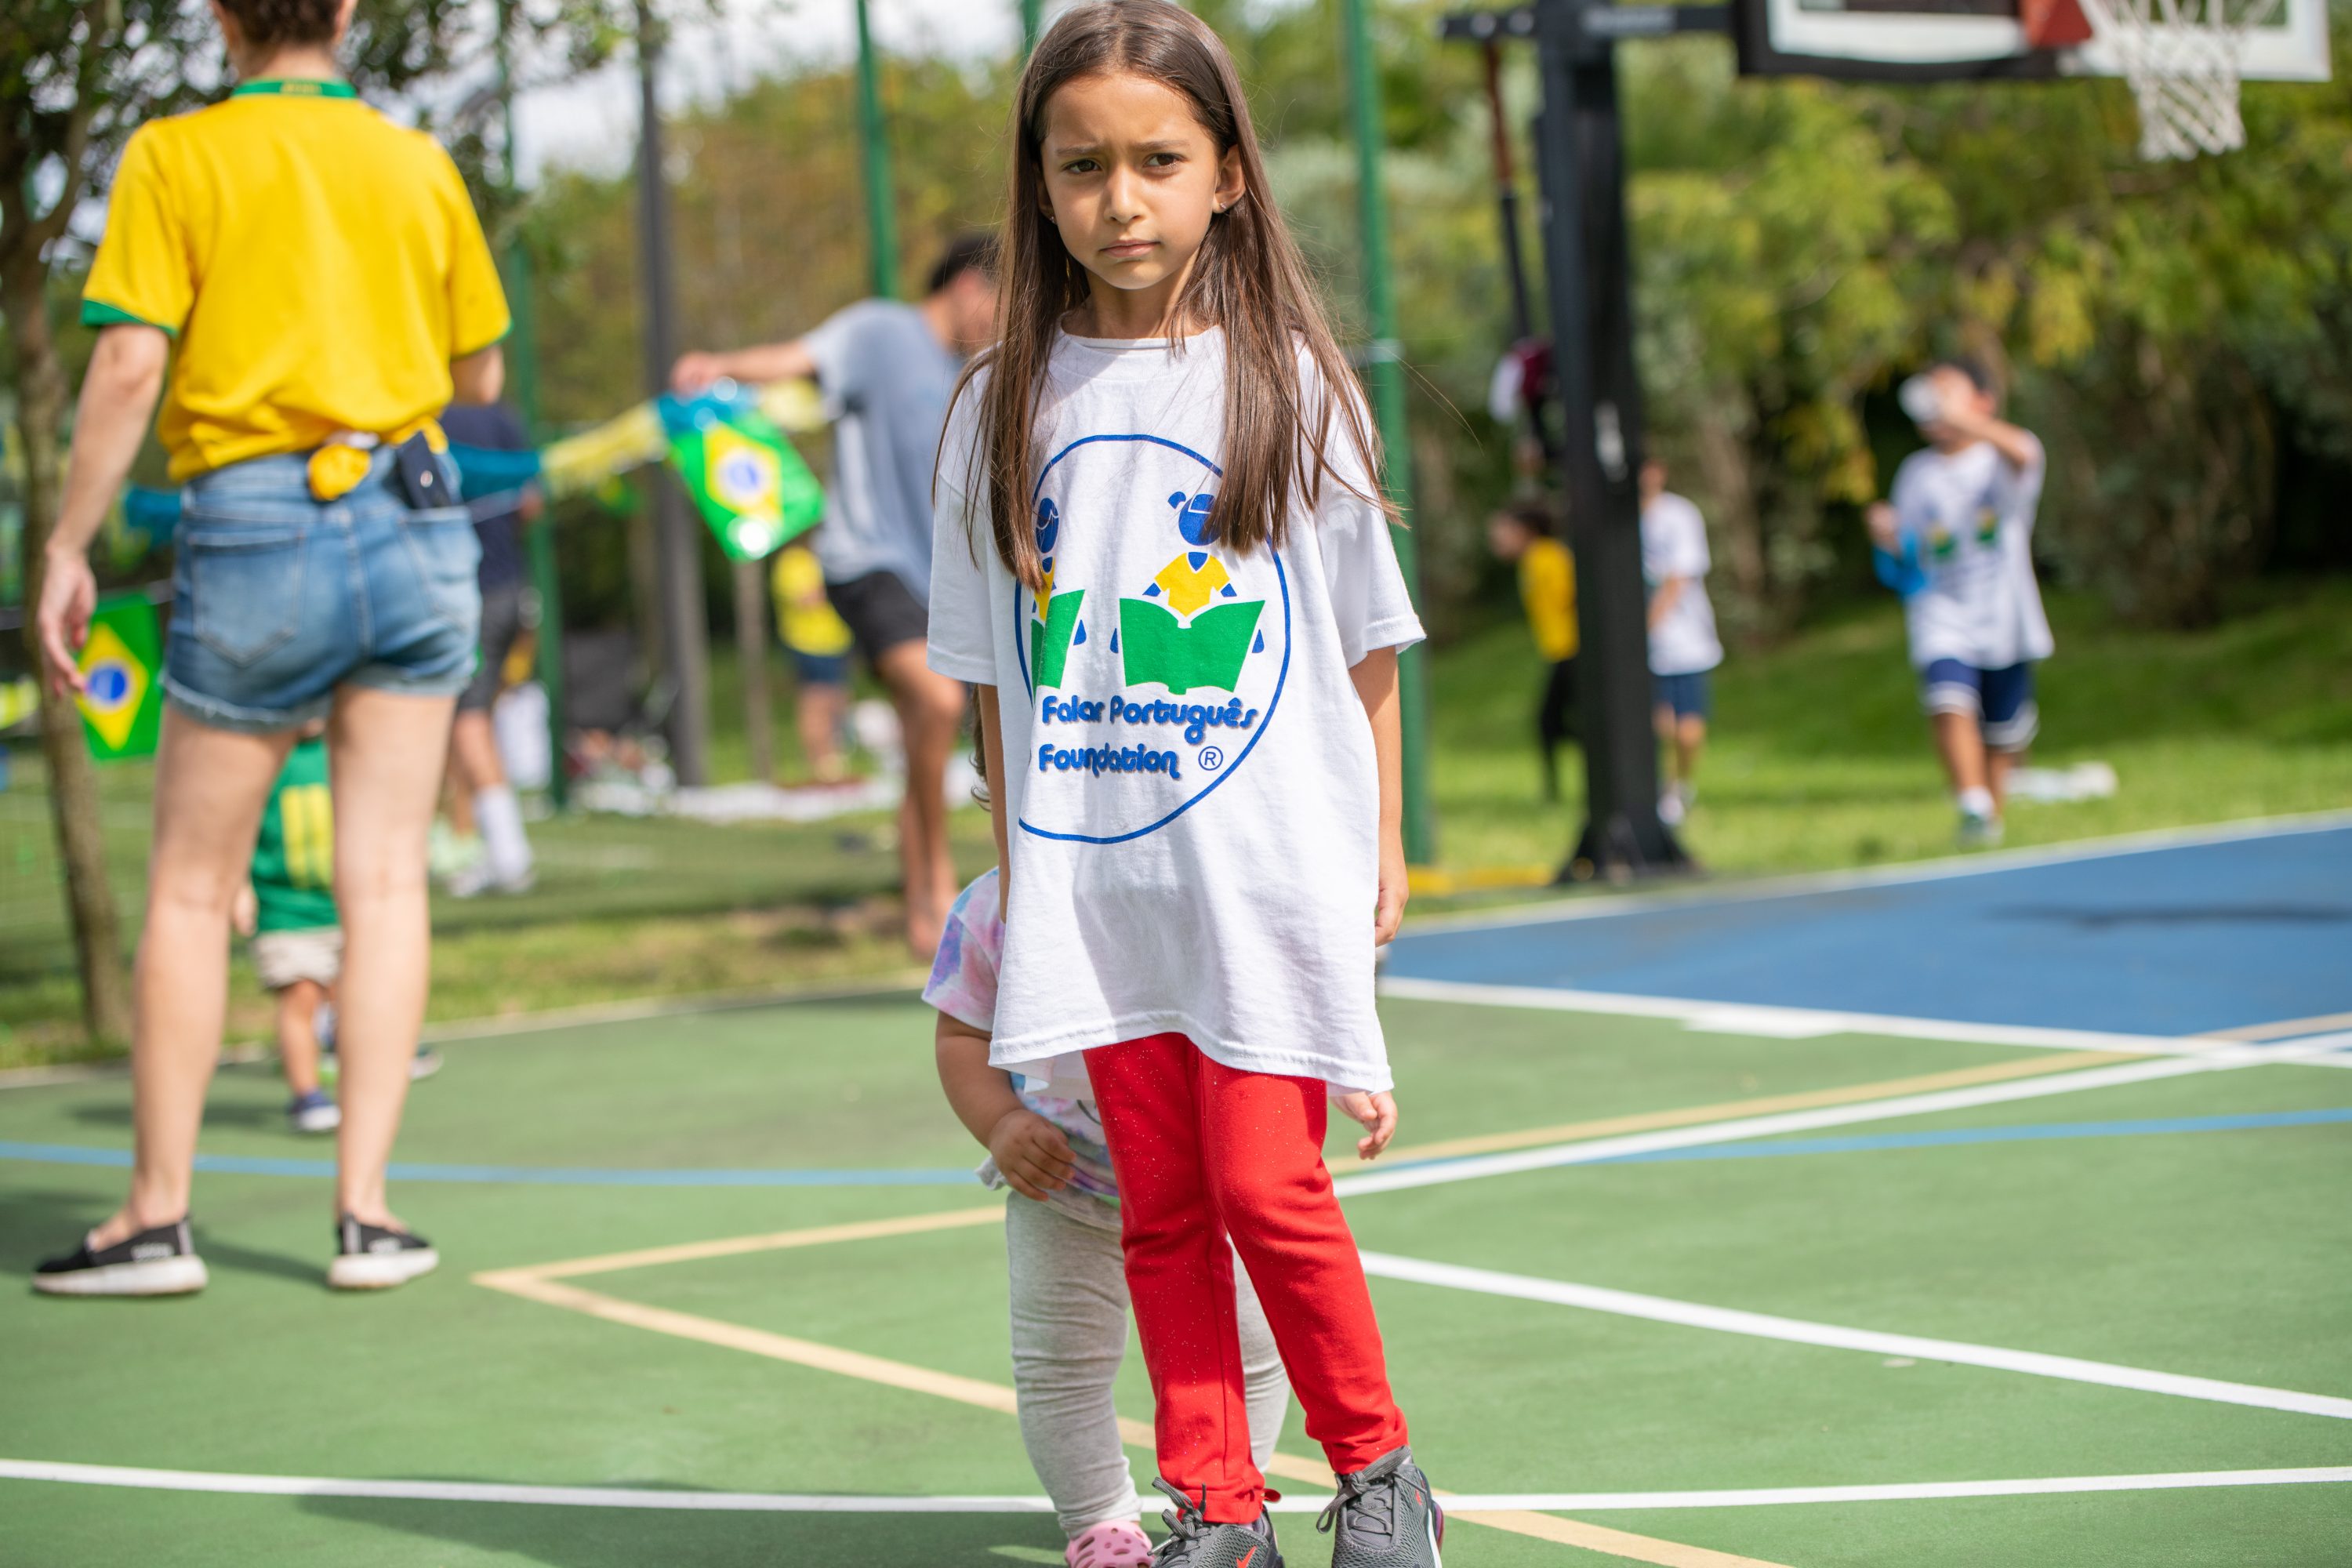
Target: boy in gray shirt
888, 371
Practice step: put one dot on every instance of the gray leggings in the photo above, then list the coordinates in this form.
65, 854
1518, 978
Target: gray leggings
1069, 1334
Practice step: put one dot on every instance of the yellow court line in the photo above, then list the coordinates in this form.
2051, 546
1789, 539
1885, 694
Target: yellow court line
2286, 1029
1731, 1110
534, 1285
735, 1246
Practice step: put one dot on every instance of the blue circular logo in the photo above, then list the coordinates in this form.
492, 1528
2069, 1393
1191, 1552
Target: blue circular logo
1152, 660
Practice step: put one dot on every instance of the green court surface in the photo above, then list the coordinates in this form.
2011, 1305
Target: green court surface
2185, 1244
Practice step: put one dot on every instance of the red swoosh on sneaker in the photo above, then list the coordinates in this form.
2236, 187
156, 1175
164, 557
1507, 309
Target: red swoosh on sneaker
1247, 1558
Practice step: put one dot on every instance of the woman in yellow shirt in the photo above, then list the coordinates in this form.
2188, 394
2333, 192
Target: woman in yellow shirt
315, 281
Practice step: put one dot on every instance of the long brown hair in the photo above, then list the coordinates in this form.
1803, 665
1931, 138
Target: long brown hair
1247, 278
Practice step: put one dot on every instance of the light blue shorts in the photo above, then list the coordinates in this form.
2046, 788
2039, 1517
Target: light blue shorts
278, 599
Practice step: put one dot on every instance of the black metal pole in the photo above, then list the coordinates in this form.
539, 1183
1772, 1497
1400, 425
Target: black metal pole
1581, 161
679, 544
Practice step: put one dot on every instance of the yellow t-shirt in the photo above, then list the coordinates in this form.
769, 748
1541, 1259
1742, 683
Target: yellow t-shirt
319, 266
805, 618
1548, 590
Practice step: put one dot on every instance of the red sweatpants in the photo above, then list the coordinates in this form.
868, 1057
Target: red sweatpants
1202, 1153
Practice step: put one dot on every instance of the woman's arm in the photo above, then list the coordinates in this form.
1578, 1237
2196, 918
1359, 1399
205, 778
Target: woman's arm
480, 377
1376, 686
118, 398
1029, 1150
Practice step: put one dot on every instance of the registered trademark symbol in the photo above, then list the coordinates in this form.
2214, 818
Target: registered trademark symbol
1212, 759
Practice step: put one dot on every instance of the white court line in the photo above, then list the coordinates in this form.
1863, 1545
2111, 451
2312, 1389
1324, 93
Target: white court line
1797, 1331
1783, 1022
2179, 1481
1441, 1173
783, 1502
1605, 906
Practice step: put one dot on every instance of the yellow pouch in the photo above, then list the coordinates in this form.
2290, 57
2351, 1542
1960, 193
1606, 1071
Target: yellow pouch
337, 467
336, 470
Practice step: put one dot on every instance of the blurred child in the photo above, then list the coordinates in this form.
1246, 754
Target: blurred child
819, 641
1159, 521
1523, 534
287, 908
1044, 1141
1956, 540
1683, 644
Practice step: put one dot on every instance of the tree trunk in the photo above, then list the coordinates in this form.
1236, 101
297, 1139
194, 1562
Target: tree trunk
73, 782
752, 659
1723, 463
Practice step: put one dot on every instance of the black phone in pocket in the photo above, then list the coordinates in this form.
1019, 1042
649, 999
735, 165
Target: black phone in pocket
422, 481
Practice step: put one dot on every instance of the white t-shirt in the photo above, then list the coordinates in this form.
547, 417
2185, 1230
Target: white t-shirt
1968, 518
1190, 775
1674, 545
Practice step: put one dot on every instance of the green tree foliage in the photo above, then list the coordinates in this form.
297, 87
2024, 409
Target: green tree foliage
1798, 247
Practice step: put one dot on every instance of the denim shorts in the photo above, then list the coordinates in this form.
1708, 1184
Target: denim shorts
278, 599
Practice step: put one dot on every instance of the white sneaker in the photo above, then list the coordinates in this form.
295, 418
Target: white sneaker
1979, 832
447, 853
1671, 810
478, 878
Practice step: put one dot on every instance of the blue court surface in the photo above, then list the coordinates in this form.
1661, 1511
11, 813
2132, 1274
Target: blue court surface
2246, 929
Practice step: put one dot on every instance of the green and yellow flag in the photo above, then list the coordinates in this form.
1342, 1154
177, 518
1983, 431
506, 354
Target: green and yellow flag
752, 487
121, 665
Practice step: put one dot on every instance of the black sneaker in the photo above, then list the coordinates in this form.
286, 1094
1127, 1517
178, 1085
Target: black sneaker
1385, 1517
1194, 1543
158, 1262
378, 1257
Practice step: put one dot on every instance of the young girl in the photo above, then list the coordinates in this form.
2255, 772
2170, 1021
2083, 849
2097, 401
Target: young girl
1162, 555
1043, 1137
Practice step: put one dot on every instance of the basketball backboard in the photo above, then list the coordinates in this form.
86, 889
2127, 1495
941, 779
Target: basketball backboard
1928, 40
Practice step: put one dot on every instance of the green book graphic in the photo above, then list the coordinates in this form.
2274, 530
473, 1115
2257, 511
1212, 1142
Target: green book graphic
1156, 645
1049, 639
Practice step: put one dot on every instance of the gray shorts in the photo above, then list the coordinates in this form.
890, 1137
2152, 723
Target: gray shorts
502, 625
282, 957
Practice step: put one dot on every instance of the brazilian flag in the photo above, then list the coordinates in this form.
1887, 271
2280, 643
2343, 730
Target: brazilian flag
751, 485
122, 692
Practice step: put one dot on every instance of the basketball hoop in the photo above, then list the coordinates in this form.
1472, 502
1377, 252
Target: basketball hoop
2182, 58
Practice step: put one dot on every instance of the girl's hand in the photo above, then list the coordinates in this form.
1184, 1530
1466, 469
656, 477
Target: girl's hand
1388, 909
245, 912
1032, 1153
69, 597
1377, 1113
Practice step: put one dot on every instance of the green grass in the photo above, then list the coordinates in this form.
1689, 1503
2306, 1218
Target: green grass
2171, 1252
1818, 760
1819, 757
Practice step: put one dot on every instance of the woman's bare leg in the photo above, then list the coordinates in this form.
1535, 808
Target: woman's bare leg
210, 786
387, 751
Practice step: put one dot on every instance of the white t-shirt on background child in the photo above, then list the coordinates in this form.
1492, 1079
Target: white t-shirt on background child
1190, 778
1968, 518
1674, 545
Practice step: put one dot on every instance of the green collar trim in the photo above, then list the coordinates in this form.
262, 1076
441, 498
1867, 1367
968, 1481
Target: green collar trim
294, 87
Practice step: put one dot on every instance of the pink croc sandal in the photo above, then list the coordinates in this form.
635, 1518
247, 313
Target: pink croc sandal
1114, 1543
